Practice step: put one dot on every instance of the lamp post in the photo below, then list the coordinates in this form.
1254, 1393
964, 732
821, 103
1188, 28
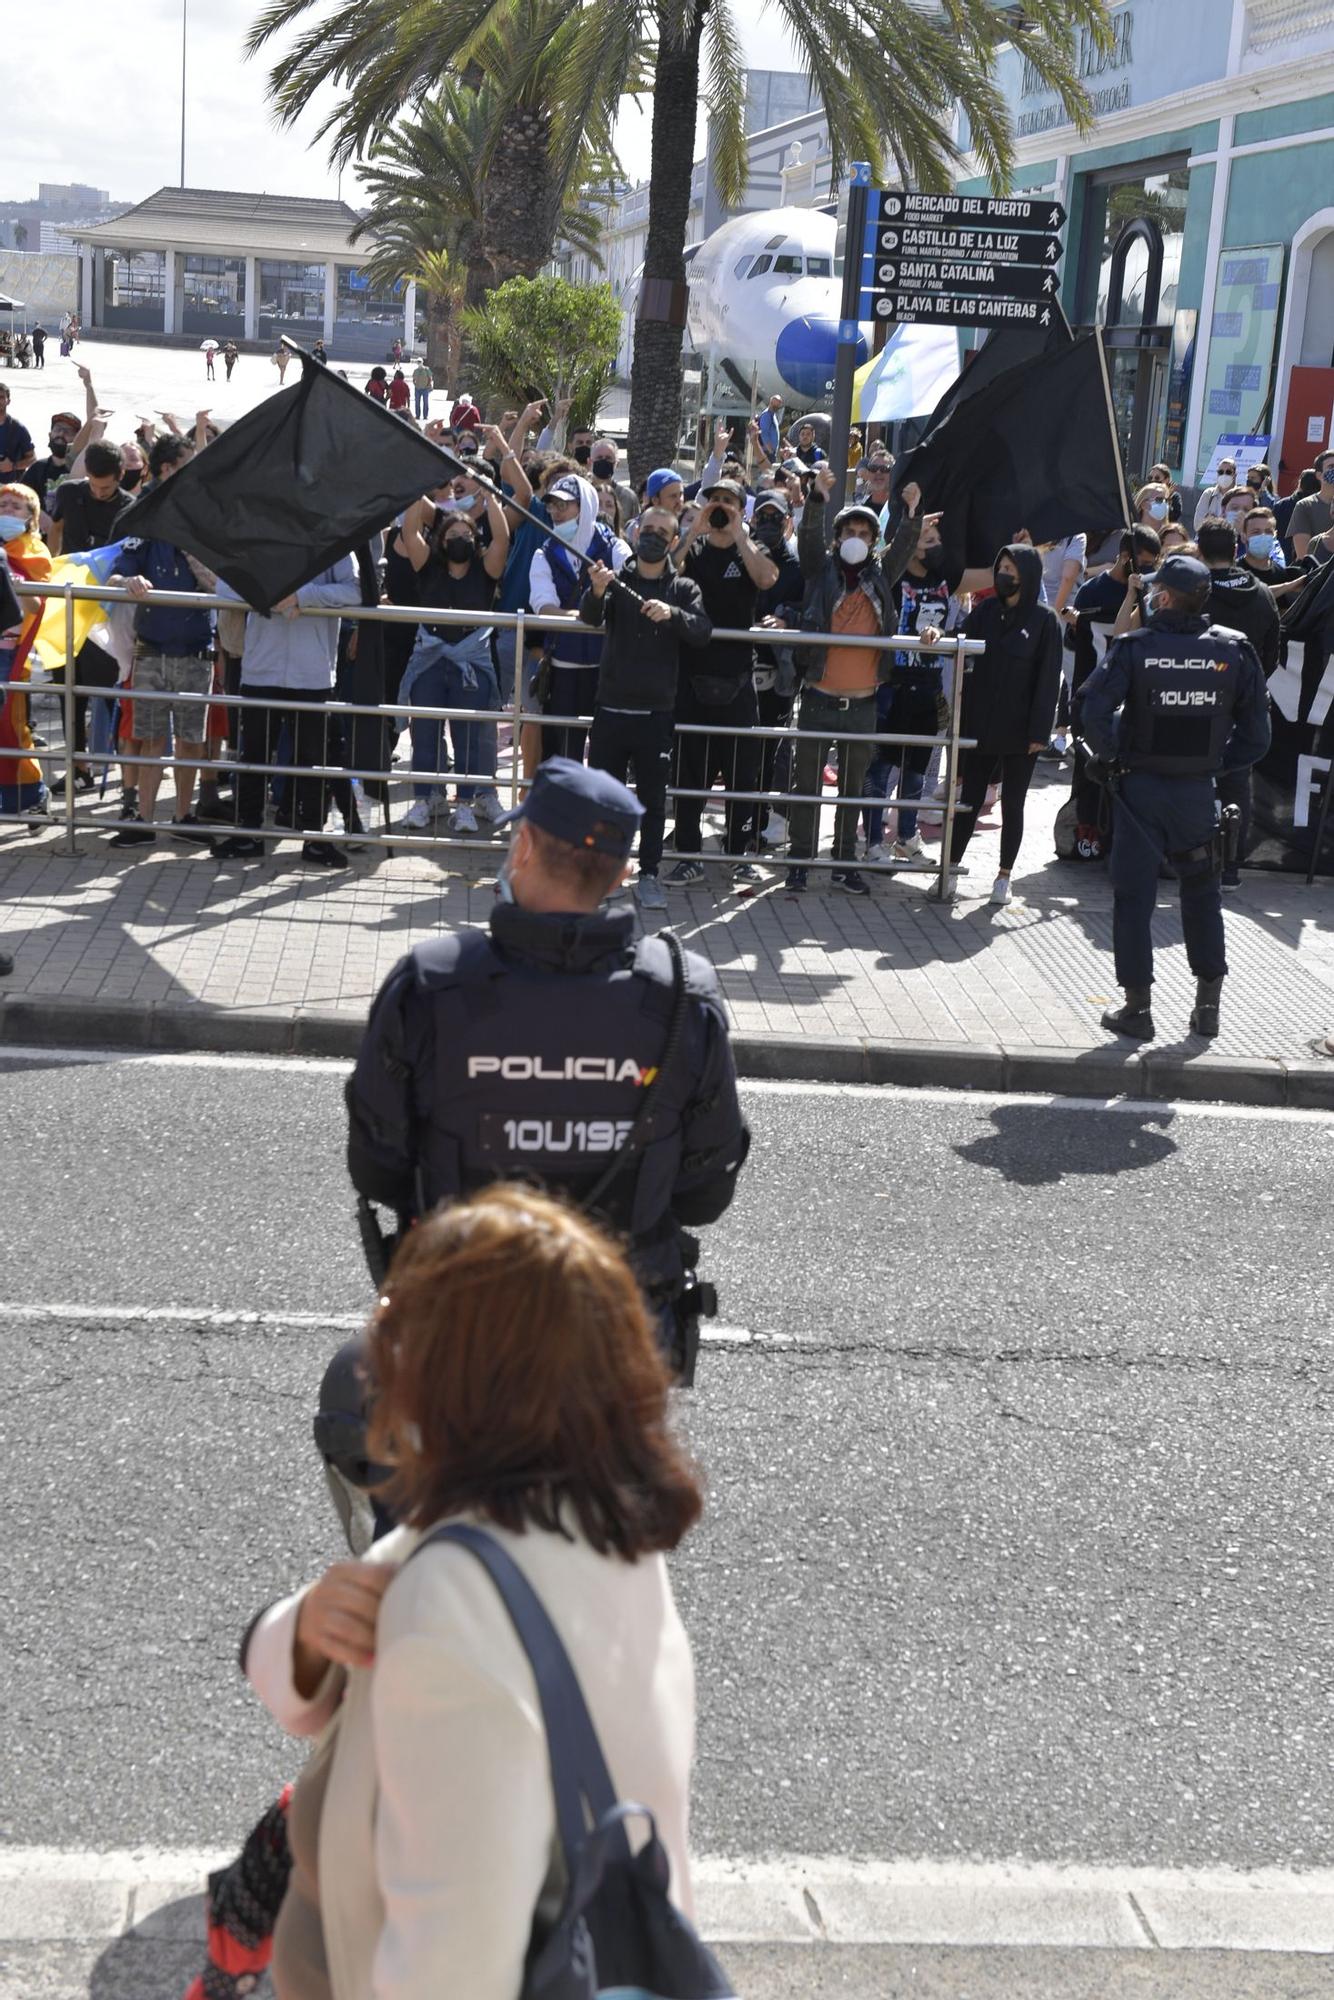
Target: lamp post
185, 11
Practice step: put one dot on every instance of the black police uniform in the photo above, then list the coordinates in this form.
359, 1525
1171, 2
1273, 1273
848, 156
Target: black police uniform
1172, 706
525, 1051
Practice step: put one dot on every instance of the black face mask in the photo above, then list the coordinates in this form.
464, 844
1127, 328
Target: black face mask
57, 446
653, 545
769, 530
933, 561
582, 453
1007, 587
604, 468
131, 477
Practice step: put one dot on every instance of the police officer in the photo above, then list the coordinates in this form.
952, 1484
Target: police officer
554, 1046
1172, 706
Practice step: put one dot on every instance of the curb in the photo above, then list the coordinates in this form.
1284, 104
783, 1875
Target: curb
989, 1066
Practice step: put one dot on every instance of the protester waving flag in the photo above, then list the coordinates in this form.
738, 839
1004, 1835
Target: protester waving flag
299, 482
48, 643
1031, 446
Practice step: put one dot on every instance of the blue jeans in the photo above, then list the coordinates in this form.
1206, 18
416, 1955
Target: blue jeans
446, 684
421, 403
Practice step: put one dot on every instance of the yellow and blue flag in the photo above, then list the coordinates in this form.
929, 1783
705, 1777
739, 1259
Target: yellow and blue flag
93, 567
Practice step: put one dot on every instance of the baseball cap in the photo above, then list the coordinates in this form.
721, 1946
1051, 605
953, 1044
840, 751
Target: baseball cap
729, 488
871, 514
771, 497
565, 488
1184, 573
665, 475
587, 808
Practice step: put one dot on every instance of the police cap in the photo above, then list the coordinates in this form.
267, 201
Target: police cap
587, 808
1184, 573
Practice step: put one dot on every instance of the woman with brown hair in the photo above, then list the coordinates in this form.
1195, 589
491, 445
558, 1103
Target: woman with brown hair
518, 1386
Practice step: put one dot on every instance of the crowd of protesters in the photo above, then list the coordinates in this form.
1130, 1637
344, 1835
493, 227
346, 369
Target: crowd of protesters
658, 570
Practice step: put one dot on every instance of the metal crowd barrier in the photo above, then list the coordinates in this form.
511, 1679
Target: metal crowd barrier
519, 716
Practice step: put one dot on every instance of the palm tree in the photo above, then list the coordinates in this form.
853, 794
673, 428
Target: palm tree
431, 187
891, 74
533, 166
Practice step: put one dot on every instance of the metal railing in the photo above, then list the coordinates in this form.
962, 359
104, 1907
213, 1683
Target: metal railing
520, 715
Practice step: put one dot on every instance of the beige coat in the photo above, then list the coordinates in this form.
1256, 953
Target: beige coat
438, 1837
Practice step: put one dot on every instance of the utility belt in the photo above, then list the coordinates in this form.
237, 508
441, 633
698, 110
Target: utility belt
1208, 857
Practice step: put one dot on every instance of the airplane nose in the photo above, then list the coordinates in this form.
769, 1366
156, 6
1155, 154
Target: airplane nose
805, 353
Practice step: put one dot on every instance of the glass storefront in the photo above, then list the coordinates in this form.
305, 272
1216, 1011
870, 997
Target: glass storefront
212, 295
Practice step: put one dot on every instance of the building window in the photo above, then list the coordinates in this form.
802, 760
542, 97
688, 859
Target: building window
1155, 192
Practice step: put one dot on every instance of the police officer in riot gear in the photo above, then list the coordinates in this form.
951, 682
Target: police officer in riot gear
556, 1047
1174, 705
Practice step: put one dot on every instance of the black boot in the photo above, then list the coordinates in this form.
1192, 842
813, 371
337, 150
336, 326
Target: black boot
1134, 1019
1204, 1014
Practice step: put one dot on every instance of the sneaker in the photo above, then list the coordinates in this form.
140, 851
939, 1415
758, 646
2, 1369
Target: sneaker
649, 893
775, 831
746, 872
488, 808
133, 836
849, 881
240, 847
796, 881
189, 828
909, 850
1231, 878
1000, 890
323, 854
684, 872
129, 801
876, 853
1054, 753
465, 820
418, 815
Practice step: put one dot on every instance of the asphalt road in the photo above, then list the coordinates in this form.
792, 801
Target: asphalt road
1018, 1538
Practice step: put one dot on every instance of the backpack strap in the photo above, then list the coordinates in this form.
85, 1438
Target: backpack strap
579, 1776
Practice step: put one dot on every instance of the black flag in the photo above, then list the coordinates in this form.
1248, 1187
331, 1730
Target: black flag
299, 482
1030, 446
1289, 778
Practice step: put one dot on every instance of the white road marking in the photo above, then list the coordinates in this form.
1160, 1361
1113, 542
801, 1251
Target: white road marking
219, 1320
56, 1895
909, 1093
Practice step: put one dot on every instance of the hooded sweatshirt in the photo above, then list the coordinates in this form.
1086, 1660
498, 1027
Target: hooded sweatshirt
1244, 604
1010, 690
556, 577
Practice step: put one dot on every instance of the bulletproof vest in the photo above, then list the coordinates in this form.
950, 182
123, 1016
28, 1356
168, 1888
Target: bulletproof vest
538, 1074
1183, 690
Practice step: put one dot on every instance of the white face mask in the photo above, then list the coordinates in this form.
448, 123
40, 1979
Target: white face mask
853, 550
567, 531
1157, 510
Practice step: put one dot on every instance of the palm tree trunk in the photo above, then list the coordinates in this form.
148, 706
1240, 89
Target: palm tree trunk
442, 340
520, 202
656, 375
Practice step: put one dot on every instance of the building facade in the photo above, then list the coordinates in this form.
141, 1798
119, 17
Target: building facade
242, 267
1200, 231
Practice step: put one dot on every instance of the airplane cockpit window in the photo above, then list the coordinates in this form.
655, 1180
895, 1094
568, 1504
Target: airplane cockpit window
739, 269
787, 266
819, 267
775, 243
759, 267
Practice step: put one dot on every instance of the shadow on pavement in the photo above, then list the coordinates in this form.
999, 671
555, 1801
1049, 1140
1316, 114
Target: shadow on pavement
1020, 1148
158, 1958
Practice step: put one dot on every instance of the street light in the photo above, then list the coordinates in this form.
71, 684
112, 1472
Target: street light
185, 9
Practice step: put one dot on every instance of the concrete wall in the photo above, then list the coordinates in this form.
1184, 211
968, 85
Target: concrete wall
48, 286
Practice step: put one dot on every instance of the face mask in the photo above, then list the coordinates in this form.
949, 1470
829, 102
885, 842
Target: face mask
504, 885
1261, 545
604, 467
131, 476
1234, 522
1157, 510
11, 527
567, 531
653, 545
1007, 586
581, 454
458, 548
769, 530
57, 446
933, 561
853, 550
1225, 482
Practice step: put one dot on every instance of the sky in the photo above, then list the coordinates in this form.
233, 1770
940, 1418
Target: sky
132, 48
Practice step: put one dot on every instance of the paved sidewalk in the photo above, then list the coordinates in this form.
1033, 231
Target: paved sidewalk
174, 949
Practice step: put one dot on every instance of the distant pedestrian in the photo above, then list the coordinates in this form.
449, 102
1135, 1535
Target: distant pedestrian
320, 353
39, 346
230, 355
398, 352
422, 384
377, 388
210, 374
465, 415
399, 393
281, 356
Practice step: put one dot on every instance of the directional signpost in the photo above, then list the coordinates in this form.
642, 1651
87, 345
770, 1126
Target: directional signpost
961, 260
942, 260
